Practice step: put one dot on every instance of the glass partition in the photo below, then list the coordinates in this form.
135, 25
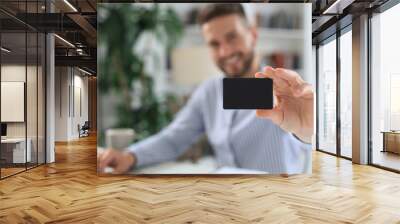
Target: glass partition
346, 94
385, 89
41, 91
31, 99
14, 151
327, 97
22, 67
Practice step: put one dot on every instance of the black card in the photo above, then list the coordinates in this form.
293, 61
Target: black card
248, 93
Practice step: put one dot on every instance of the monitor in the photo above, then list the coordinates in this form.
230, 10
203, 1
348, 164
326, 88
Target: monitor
3, 129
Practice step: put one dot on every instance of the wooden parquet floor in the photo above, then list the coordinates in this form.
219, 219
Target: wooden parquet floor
69, 191
10, 171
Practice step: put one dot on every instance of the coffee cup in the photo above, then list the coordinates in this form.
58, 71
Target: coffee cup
119, 138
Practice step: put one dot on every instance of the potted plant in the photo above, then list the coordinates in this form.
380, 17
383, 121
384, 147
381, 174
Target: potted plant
121, 69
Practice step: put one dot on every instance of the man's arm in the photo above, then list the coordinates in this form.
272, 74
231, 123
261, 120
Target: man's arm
171, 142
167, 145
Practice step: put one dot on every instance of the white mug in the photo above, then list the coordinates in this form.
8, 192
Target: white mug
119, 138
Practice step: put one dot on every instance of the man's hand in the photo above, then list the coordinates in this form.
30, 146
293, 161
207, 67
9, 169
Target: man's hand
294, 102
120, 161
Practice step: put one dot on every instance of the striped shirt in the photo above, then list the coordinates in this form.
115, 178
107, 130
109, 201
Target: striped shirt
238, 137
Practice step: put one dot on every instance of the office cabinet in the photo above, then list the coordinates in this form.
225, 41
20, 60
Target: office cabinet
391, 142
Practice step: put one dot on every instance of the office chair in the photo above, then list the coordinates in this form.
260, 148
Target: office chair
84, 130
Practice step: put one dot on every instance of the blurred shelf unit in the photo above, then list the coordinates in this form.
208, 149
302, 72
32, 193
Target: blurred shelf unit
278, 47
281, 40
281, 33
193, 35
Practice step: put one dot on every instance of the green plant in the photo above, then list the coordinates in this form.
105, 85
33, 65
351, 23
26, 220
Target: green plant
120, 27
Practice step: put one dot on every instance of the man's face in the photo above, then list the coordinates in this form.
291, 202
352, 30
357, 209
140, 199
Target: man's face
232, 44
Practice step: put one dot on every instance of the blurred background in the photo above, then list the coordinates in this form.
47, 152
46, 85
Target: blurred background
152, 56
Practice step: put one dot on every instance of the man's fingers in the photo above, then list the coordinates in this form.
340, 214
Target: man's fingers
119, 169
305, 90
290, 76
100, 160
280, 84
269, 72
276, 115
99, 155
287, 83
106, 159
260, 75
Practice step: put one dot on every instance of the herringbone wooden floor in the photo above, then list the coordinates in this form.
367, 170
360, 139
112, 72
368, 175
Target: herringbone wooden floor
69, 191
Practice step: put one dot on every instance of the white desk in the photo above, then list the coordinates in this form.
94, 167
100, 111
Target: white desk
206, 165
18, 149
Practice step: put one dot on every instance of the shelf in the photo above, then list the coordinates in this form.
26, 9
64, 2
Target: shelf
282, 34
275, 33
269, 39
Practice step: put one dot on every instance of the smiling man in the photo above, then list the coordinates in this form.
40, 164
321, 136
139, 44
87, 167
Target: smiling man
231, 40
275, 141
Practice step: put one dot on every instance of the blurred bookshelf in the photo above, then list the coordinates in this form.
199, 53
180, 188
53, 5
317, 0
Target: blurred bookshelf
281, 42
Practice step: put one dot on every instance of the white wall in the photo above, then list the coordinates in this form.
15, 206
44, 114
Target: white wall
61, 105
71, 87
33, 126
80, 93
16, 73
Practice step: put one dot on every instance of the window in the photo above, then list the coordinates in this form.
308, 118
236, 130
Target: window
328, 110
327, 97
385, 89
394, 119
346, 94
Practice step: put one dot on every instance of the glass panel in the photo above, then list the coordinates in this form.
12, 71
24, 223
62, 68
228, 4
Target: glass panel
23, 91
386, 89
2, 161
32, 90
327, 97
41, 99
31, 98
346, 94
13, 87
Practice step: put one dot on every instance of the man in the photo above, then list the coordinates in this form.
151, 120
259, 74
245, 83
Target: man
239, 138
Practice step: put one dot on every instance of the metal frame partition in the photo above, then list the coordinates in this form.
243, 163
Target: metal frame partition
36, 33
340, 29
380, 9
334, 32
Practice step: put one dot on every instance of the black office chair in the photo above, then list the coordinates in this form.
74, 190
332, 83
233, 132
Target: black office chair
84, 130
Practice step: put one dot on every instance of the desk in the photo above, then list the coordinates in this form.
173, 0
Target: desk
205, 165
391, 141
13, 150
